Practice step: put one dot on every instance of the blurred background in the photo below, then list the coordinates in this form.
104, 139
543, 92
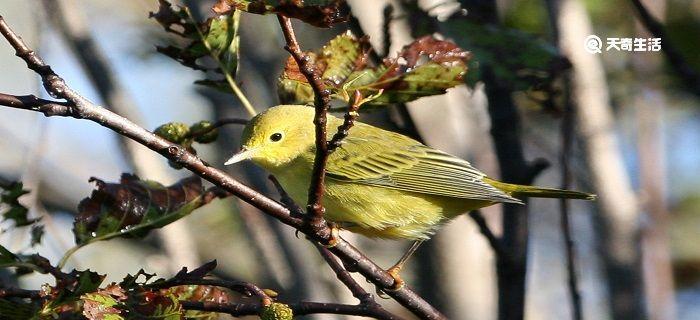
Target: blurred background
635, 139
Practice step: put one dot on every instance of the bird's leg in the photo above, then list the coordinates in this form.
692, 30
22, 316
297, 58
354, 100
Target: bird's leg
396, 269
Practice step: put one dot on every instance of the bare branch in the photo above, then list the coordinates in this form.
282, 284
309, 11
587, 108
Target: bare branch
349, 120
19, 293
216, 125
344, 276
322, 104
493, 240
31, 102
298, 308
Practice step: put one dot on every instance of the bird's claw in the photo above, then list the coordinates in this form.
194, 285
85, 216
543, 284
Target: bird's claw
334, 239
398, 282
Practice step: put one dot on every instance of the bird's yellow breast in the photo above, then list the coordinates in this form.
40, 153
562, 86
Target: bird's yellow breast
372, 210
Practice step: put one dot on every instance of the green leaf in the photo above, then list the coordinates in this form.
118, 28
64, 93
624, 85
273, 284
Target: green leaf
11, 208
216, 38
175, 132
319, 13
423, 68
517, 58
68, 290
133, 207
6, 256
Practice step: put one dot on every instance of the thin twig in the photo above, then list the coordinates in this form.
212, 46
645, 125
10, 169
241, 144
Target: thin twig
321, 103
366, 299
285, 198
355, 28
485, 230
298, 309
349, 121
19, 293
345, 277
79, 107
387, 17
216, 125
566, 136
229, 78
690, 76
567, 133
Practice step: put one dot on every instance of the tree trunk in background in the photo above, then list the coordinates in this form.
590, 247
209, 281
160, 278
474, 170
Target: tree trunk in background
511, 268
619, 218
649, 106
505, 130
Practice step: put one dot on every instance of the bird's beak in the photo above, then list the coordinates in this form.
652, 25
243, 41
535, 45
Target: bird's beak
243, 154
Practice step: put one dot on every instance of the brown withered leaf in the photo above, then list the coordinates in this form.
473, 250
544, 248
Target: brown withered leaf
133, 207
104, 303
425, 67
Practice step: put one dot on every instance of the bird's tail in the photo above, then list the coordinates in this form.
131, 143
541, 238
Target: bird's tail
537, 192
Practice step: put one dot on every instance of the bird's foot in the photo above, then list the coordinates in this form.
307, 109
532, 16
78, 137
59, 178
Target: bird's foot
334, 238
398, 282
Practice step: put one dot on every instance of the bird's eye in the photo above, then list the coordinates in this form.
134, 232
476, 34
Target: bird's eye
276, 136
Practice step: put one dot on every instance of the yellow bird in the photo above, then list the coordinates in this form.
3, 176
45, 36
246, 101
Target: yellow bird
378, 183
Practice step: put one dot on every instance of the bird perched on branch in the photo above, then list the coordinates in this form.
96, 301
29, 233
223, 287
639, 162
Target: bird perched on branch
378, 183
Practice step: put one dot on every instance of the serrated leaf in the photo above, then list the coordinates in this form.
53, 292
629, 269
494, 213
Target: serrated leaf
11, 208
425, 67
516, 57
104, 304
68, 290
132, 281
133, 207
319, 13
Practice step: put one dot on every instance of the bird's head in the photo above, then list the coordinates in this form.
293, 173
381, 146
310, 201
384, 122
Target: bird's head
277, 136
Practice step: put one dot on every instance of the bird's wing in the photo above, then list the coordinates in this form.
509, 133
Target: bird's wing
386, 159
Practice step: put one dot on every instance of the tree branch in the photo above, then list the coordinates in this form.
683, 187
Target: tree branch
349, 121
366, 299
322, 104
492, 239
79, 107
19, 293
298, 308
216, 125
567, 135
